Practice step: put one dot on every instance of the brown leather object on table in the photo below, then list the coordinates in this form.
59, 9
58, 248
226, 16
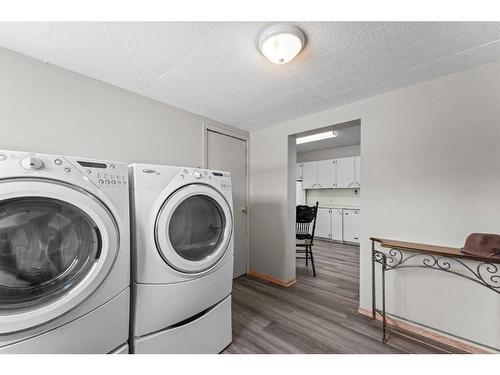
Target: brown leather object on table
482, 244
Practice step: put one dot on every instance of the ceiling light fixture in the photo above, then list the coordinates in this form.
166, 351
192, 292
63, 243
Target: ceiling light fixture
281, 43
317, 137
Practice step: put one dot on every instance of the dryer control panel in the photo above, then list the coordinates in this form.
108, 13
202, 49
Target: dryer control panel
221, 179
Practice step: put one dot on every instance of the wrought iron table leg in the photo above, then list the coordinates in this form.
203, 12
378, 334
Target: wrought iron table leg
384, 321
373, 281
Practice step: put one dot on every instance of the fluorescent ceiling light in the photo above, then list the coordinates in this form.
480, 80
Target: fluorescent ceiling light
281, 43
317, 137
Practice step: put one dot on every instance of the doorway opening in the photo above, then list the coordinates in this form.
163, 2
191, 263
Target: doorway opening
328, 176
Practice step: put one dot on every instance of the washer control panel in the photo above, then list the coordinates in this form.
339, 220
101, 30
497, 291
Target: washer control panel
106, 175
101, 173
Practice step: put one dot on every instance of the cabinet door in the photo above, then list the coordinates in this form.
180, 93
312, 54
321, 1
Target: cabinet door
351, 225
357, 171
327, 175
345, 172
309, 174
336, 227
298, 172
323, 223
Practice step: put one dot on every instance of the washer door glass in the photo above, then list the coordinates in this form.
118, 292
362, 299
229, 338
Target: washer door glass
196, 227
47, 246
193, 228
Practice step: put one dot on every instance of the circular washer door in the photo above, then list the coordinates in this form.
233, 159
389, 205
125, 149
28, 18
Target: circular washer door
57, 245
193, 228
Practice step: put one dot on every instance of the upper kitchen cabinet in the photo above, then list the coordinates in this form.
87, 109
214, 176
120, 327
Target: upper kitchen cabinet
319, 174
348, 172
309, 174
327, 174
357, 170
298, 172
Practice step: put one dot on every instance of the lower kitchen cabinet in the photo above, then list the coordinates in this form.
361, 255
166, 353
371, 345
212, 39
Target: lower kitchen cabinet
351, 225
323, 223
336, 224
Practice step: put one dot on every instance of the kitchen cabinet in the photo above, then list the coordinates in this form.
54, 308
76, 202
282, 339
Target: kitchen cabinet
309, 174
351, 224
336, 224
298, 172
348, 172
357, 170
327, 174
322, 229
319, 174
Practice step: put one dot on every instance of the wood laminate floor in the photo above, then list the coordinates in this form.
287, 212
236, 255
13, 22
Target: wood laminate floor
315, 315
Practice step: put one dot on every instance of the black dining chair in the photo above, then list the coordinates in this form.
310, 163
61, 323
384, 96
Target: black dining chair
305, 225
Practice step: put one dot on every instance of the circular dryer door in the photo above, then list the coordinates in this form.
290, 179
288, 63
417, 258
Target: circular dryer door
194, 228
57, 244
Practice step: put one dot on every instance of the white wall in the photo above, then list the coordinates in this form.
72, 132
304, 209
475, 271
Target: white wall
329, 153
47, 109
430, 163
334, 197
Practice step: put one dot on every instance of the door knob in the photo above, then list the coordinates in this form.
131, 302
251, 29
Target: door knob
244, 209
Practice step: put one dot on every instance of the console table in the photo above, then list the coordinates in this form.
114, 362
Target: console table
391, 255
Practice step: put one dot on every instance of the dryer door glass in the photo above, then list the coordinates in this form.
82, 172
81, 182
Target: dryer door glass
47, 246
196, 228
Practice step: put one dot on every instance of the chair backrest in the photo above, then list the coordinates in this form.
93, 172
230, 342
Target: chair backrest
305, 217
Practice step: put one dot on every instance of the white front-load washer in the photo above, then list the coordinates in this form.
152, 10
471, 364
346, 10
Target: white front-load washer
64, 254
182, 259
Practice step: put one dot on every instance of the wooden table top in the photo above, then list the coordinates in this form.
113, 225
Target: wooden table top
433, 249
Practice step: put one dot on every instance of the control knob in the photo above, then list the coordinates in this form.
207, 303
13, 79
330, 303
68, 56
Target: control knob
196, 174
31, 163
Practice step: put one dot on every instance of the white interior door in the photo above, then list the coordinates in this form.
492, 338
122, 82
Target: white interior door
229, 154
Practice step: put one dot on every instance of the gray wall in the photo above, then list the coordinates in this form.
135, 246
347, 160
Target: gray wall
47, 109
329, 153
430, 163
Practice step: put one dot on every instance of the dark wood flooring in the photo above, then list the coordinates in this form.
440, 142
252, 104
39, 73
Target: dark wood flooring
315, 315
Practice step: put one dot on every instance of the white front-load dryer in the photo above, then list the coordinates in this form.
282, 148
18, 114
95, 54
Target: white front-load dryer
64, 254
182, 259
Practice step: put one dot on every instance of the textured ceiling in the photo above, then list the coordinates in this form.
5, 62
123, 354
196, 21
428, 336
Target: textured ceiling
215, 69
347, 136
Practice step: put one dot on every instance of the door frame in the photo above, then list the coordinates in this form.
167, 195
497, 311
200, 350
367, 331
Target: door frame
207, 126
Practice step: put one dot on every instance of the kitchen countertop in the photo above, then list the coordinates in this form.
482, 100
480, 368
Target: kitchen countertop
340, 206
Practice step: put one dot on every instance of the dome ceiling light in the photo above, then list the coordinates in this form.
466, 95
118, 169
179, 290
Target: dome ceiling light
281, 43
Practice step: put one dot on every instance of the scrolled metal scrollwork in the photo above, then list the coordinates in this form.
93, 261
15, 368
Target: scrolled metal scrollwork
484, 273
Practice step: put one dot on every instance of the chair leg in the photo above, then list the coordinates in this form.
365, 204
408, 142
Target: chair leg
307, 257
312, 261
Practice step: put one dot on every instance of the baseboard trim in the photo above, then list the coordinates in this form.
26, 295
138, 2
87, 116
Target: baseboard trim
270, 279
428, 333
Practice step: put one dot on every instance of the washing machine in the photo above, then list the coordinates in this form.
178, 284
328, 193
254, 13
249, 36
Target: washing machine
64, 254
182, 259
